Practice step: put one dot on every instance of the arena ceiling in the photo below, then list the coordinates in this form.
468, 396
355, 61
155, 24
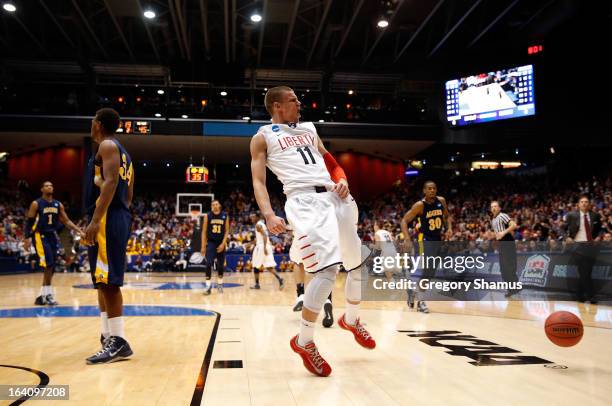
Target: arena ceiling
215, 40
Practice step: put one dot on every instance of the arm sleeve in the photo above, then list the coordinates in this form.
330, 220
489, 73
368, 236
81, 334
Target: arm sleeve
335, 170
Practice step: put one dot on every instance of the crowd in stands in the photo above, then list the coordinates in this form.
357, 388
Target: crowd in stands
161, 240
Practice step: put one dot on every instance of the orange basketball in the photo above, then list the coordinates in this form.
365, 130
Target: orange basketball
564, 329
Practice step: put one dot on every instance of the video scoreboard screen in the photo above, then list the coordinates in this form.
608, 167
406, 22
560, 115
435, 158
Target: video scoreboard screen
134, 127
491, 96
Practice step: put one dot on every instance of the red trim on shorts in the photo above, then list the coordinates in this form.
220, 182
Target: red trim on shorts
305, 246
304, 236
316, 263
305, 258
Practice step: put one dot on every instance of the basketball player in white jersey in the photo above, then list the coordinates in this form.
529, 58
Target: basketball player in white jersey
384, 244
321, 212
263, 255
300, 280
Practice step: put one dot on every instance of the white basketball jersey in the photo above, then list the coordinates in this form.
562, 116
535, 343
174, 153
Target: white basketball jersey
259, 237
294, 157
383, 235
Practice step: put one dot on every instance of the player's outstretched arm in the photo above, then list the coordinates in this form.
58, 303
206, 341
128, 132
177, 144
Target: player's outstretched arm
63, 217
335, 172
275, 224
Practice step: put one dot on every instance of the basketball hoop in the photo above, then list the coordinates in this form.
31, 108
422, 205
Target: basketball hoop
195, 214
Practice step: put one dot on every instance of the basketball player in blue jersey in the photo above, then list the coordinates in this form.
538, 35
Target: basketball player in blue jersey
431, 213
215, 232
108, 232
43, 221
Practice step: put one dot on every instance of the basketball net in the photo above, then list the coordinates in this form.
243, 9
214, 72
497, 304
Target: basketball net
195, 215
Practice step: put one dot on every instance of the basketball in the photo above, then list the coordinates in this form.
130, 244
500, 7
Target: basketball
564, 329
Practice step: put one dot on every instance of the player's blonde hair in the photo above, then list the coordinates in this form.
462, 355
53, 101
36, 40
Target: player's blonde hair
275, 94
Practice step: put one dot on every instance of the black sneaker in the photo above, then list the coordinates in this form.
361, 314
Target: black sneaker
281, 283
208, 290
116, 349
410, 300
328, 320
50, 300
40, 300
299, 303
103, 340
256, 286
422, 307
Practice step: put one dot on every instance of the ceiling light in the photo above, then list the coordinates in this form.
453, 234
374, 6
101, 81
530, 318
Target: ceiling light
255, 17
150, 14
382, 23
10, 7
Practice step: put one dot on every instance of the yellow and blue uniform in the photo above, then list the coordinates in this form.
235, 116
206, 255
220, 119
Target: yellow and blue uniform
108, 256
430, 227
45, 231
214, 237
431, 221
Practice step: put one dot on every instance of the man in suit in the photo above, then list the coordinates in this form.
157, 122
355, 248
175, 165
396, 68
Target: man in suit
583, 227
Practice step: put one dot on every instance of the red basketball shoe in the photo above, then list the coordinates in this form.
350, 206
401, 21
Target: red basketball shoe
361, 334
311, 357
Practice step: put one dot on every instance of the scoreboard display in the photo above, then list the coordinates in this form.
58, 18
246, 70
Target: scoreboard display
134, 127
196, 174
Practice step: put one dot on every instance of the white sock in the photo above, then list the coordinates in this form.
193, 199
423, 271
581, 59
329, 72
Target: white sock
43, 291
207, 283
115, 326
104, 324
351, 314
219, 281
306, 332
47, 290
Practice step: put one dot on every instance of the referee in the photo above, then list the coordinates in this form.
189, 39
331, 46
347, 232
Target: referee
504, 227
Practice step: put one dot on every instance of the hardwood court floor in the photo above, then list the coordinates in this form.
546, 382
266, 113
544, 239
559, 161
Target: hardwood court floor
254, 330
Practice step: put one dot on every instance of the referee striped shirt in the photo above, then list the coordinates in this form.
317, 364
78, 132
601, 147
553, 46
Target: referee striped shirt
500, 223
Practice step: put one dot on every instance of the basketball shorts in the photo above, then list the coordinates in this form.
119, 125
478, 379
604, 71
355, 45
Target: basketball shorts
294, 253
212, 254
107, 257
261, 259
46, 245
324, 229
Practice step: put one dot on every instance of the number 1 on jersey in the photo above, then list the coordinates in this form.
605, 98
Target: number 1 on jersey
304, 157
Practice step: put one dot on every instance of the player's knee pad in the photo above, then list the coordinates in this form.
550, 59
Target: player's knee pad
256, 270
319, 289
352, 289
